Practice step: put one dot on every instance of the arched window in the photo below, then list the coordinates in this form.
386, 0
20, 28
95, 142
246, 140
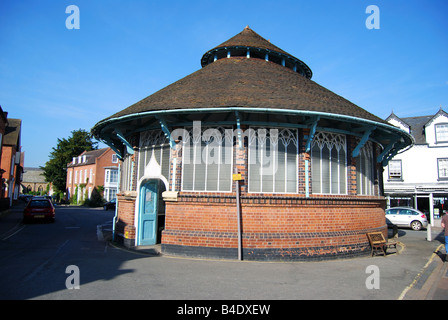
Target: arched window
329, 163
207, 159
153, 144
273, 160
365, 167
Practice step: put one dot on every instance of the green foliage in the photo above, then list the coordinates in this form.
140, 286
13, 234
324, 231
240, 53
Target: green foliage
55, 169
33, 193
96, 200
74, 197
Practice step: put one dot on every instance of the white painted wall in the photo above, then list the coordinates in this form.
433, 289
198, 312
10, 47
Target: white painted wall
419, 163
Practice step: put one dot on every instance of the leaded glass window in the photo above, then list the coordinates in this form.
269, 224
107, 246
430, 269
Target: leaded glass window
154, 144
207, 159
329, 163
365, 170
272, 160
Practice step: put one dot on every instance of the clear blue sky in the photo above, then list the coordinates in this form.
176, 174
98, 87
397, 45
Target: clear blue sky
59, 80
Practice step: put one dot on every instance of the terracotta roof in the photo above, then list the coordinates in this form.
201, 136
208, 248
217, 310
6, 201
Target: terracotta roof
242, 82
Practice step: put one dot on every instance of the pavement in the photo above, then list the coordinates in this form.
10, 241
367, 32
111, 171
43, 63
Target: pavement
11, 221
432, 282
414, 253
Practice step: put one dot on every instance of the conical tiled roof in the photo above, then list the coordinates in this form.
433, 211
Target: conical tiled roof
247, 74
250, 44
252, 83
250, 38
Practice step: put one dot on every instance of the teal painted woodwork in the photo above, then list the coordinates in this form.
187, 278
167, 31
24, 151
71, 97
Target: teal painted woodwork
148, 205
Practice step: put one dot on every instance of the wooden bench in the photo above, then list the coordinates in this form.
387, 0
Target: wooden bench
379, 244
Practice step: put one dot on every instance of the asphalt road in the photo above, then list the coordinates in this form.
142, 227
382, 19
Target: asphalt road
34, 260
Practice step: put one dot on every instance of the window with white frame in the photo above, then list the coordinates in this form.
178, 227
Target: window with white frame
207, 158
114, 158
329, 163
273, 165
111, 183
442, 165
111, 176
365, 170
441, 132
395, 172
76, 176
110, 193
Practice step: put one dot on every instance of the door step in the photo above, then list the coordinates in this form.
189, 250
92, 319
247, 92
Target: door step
152, 250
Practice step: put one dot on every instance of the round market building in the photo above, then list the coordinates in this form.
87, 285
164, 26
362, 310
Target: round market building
249, 158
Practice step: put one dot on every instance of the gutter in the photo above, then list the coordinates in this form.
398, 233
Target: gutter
251, 109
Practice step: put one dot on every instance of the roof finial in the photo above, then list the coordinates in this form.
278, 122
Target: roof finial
247, 27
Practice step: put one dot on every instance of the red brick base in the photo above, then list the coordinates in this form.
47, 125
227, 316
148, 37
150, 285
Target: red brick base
125, 226
273, 227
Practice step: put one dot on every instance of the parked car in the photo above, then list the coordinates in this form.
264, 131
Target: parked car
406, 217
110, 204
25, 197
39, 208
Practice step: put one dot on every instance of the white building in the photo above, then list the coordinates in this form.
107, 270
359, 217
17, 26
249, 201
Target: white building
418, 177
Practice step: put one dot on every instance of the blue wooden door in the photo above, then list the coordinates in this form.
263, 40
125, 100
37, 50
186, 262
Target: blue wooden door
147, 234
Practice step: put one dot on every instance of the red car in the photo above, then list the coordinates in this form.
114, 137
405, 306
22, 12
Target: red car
39, 208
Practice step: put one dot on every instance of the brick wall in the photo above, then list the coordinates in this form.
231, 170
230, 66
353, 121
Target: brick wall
124, 227
273, 227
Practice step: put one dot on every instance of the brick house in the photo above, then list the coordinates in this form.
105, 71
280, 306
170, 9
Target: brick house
4, 203
249, 158
11, 162
418, 177
92, 169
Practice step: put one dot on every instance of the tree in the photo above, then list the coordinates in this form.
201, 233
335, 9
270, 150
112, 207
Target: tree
55, 169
